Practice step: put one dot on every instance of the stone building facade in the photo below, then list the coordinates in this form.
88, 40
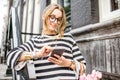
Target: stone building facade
95, 25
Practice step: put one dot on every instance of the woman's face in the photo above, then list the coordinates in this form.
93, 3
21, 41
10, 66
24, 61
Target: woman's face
54, 20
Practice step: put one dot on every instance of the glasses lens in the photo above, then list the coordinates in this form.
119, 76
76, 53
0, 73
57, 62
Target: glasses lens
52, 18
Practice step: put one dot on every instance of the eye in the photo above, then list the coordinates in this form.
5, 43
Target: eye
52, 17
59, 19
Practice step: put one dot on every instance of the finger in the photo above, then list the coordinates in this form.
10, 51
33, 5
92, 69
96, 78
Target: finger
54, 60
57, 56
48, 48
51, 59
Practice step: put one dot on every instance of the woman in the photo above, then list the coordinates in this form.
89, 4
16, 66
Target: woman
39, 49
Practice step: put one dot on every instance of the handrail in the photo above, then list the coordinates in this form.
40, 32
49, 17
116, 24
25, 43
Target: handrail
16, 28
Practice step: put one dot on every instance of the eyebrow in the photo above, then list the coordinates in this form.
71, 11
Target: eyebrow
55, 16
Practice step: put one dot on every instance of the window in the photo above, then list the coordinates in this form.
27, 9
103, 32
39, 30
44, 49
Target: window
109, 9
53, 1
67, 8
115, 5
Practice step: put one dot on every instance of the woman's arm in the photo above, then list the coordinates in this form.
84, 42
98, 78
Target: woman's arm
14, 55
44, 51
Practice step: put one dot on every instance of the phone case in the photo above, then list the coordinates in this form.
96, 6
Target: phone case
58, 52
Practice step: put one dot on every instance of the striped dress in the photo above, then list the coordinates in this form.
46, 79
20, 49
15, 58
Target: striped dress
44, 69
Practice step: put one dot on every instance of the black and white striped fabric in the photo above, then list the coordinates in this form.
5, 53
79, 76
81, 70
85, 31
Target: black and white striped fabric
44, 69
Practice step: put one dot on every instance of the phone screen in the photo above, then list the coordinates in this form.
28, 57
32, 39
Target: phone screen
57, 51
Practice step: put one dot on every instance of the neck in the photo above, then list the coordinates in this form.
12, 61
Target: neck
50, 33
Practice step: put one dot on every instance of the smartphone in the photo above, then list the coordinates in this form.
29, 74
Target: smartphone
57, 51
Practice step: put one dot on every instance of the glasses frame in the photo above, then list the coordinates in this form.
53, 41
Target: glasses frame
52, 18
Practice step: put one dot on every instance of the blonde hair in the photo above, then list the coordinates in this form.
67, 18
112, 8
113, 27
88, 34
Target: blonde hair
47, 11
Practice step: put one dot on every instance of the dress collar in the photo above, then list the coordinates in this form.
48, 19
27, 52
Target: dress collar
51, 36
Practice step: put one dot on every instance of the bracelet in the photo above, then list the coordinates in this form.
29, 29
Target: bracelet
72, 65
28, 56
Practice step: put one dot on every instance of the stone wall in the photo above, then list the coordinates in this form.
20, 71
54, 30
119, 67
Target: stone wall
100, 45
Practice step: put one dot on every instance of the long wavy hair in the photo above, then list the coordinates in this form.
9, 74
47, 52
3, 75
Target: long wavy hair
47, 11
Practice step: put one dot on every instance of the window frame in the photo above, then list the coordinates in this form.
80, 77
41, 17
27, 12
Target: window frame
105, 11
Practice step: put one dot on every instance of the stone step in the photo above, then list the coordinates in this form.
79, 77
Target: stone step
3, 75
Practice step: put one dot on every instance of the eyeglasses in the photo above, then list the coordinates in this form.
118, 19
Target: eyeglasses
52, 18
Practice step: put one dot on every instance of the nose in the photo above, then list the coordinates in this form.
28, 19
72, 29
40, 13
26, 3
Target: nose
55, 21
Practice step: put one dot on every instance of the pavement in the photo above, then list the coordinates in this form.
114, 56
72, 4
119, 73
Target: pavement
3, 76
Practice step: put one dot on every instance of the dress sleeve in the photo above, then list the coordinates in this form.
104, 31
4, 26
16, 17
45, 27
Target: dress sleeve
77, 58
77, 55
14, 54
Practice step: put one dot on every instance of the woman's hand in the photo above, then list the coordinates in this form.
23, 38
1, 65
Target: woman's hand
61, 61
45, 50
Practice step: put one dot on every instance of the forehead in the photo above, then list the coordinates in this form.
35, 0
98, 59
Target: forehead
57, 13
